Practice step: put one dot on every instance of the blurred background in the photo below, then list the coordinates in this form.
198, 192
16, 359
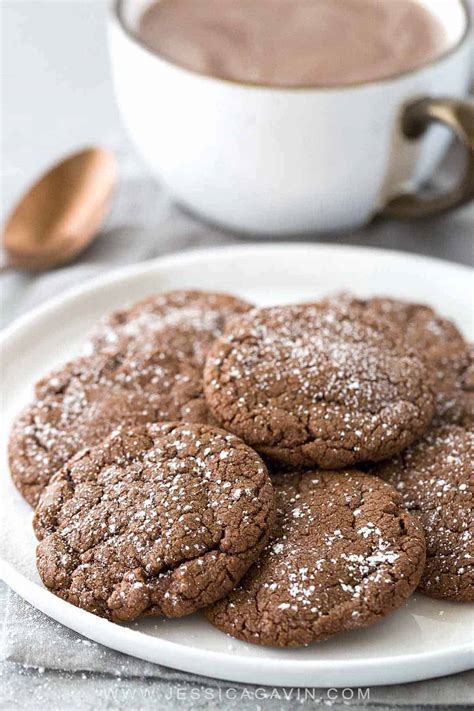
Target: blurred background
57, 96
57, 92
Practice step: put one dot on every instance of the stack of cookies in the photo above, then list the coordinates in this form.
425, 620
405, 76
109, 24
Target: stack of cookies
297, 471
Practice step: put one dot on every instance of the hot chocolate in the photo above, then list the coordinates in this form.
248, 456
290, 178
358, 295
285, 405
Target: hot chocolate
294, 42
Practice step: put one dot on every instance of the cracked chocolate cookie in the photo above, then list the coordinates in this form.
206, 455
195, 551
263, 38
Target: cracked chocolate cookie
461, 404
75, 406
148, 367
343, 554
318, 385
159, 520
438, 339
189, 321
436, 479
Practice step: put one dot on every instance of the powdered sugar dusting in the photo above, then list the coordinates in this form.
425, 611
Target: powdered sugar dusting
326, 569
123, 524
435, 477
143, 373
325, 385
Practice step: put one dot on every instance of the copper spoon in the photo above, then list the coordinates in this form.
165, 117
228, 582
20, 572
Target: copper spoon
61, 214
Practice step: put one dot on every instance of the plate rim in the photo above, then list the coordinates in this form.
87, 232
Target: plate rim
372, 671
122, 272
354, 672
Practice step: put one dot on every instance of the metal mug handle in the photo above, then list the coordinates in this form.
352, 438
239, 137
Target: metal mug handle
458, 115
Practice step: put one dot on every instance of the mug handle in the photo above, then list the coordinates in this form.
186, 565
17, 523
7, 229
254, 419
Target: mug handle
458, 115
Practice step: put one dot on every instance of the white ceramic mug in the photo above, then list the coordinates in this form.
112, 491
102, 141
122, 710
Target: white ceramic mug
268, 160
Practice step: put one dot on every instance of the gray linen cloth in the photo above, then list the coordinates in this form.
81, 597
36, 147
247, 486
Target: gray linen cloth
57, 668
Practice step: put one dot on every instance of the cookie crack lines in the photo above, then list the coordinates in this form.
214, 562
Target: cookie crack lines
440, 342
190, 318
435, 477
124, 373
308, 385
141, 514
315, 578
191, 507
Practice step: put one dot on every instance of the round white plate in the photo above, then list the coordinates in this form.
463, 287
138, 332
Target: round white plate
426, 638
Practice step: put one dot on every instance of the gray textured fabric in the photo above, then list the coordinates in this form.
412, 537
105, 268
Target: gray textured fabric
48, 662
51, 660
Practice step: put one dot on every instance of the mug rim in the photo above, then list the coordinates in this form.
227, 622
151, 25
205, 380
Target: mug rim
117, 16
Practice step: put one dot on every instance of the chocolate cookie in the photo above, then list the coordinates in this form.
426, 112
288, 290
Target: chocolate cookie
160, 520
342, 555
317, 385
139, 373
162, 343
461, 409
188, 321
438, 339
436, 479
75, 406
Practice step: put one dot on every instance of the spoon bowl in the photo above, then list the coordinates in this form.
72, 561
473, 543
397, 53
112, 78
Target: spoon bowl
62, 212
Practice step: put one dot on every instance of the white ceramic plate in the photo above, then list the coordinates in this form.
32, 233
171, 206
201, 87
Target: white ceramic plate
426, 638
